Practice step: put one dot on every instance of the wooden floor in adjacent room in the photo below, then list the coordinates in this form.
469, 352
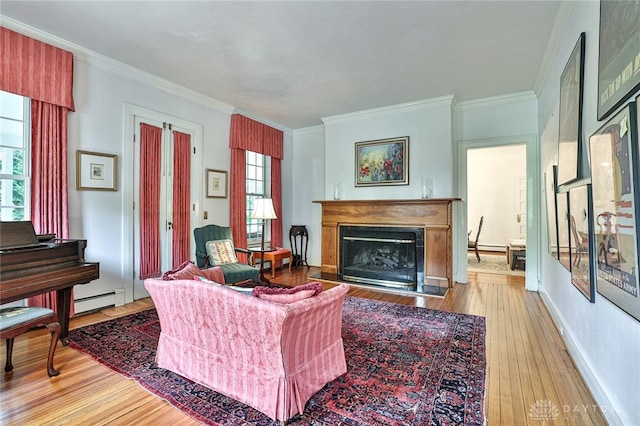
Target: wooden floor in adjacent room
530, 377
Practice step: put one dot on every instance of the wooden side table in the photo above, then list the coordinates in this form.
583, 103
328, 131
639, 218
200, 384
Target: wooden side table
273, 256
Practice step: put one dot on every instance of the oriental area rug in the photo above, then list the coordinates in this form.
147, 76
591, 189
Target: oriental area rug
405, 366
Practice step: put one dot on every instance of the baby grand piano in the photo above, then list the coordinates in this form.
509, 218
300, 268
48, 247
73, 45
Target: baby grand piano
29, 267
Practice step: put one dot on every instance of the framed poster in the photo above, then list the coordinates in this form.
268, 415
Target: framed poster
582, 266
216, 184
552, 211
382, 162
619, 53
614, 180
570, 134
96, 171
564, 250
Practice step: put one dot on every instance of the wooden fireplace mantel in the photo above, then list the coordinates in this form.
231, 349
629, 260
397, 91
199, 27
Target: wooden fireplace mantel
435, 215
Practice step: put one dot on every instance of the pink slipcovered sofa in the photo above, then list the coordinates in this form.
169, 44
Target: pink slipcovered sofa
270, 356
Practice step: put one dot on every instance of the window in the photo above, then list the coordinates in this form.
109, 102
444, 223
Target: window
15, 135
256, 188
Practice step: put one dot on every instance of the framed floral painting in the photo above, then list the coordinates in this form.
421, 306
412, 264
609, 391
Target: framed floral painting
382, 162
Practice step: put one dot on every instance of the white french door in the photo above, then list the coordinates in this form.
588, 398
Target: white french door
165, 207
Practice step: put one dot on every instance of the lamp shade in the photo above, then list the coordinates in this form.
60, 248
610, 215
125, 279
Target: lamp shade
263, 209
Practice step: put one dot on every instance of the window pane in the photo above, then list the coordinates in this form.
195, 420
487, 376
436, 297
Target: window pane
12, 193
11, 133
9, 214
12, 106
251, 172
12, 162
251, 157
260, 187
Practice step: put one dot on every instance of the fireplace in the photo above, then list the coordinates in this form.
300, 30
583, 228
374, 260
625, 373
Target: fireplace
387, 256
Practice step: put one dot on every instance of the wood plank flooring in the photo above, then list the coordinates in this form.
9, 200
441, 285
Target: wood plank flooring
531, 380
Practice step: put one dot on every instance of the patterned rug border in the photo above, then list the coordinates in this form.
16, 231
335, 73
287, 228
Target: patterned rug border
438, 407
497, 265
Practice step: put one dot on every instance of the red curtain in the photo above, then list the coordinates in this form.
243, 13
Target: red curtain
181, 197
250, 135
49, 180
150, 156
238, 199
43, 73
35, 69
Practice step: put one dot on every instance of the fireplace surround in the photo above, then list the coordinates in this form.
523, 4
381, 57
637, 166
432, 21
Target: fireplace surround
434, 216
387, 256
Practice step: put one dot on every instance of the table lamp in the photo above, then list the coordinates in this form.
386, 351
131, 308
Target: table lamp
263, 209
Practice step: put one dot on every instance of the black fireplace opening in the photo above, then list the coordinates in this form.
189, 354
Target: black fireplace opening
385, 256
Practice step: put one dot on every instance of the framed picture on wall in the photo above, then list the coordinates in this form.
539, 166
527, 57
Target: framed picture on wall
580, 241
564, 249
382, 162
552, 212
216, 183
570, 134
96, 171
614, 180
618, 76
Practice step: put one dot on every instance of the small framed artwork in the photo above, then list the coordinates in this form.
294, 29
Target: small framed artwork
618, 76
614, 181
570, 135
582, 267
382, 162
552, 211
564, 249
216, 183
96, 171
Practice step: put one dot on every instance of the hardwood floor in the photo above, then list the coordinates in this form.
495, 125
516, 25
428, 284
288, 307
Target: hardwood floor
531, 380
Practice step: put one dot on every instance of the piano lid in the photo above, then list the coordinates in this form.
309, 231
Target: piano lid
18, 234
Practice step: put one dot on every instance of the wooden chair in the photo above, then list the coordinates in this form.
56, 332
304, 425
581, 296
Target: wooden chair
18, 320
473, 245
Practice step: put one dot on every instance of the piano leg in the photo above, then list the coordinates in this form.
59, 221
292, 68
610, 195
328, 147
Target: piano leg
64, 309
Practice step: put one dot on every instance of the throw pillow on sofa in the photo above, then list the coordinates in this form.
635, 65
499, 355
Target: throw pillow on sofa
288, 295
221, 252
187, 270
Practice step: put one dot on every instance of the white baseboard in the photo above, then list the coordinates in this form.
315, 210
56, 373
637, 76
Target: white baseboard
93, 303
582, 364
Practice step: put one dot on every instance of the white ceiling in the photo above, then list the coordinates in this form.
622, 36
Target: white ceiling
295, 62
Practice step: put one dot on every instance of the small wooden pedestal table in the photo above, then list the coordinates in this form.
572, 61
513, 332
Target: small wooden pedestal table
273, 256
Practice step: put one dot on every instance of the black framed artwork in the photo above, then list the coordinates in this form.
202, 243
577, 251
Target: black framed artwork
619, 50
581, 241
614, 179
570, 117
552, 211
564, 248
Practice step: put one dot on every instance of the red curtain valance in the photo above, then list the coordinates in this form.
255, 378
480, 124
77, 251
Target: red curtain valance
35, 69
254, 136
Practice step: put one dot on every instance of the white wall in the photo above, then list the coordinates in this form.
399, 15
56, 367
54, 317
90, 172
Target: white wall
308, 166
429, 127
98, 125
603, 340
502, 120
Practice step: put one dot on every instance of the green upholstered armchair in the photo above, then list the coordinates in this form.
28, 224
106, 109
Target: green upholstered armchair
234, 271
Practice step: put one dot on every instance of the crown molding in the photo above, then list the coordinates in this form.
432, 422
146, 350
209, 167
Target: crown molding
559, 25
309, 130
404, 107
509, 98
108, 64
